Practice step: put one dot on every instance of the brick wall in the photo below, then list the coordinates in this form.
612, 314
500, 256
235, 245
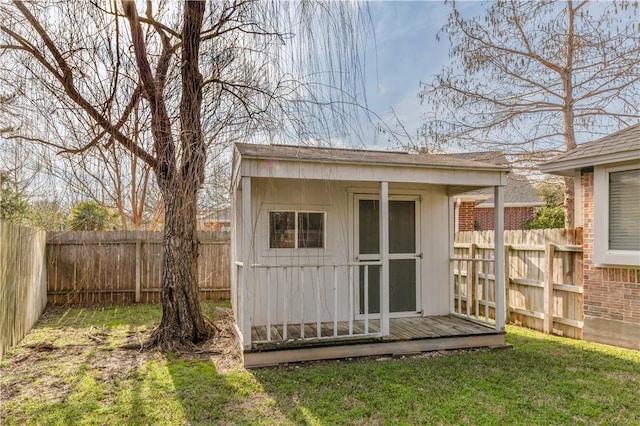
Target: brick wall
467, 216
514, 217
609, 293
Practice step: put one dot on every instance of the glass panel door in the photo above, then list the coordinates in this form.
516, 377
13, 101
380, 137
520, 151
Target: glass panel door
403, 256
369, 250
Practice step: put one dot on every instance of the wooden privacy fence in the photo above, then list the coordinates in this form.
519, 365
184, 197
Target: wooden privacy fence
544, 277
23, 287
125, 267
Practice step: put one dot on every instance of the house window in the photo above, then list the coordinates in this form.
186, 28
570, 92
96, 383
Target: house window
296, 229
624, 210
617, 215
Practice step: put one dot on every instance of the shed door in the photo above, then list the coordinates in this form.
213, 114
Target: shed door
404, 253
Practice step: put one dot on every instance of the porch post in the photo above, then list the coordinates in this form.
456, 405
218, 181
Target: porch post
384, 257
499, 269
243, 290
452, 238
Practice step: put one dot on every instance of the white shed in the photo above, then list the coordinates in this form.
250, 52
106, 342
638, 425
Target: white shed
341, 252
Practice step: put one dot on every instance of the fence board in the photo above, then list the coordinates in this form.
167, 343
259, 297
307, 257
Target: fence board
22, 282
102, 267
528, 278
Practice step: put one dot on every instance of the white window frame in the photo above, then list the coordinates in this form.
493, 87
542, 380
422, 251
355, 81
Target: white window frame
297, 212
601, 253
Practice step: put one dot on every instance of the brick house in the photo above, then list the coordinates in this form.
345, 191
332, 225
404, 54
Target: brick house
474, 210
607, 182
215, 220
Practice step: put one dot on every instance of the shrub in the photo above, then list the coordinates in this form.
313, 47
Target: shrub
91, 216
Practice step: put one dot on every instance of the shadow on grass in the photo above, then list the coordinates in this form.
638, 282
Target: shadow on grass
74, 392
210, 397
541, 380
113, 316
101, 316
77, 379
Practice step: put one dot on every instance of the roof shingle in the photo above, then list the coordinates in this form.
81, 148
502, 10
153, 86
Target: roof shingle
625, 140
518, 189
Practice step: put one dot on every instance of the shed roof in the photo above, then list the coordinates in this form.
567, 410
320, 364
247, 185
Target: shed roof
358, 156
619, 146
355, 165
493, 157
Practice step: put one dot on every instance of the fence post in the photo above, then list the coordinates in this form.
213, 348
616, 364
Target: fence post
138, 268
471, 272
498, 256
507, 282
548, 290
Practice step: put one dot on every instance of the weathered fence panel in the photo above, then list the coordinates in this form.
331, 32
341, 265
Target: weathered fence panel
23, 286
125, 267
544, 276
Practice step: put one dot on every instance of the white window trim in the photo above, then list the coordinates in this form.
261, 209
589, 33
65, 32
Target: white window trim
296, 248
601, 253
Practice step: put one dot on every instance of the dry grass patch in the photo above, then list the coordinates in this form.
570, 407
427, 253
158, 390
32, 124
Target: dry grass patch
71, 369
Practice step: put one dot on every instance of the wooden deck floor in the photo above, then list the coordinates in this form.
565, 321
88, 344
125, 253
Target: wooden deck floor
407, 335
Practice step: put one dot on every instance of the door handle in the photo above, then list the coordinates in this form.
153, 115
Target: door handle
420, 255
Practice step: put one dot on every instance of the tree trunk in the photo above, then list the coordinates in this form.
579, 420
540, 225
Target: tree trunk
182, 322
568, 115
569, 203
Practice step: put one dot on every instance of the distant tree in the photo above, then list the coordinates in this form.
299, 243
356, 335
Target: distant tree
528, 77
13, 206
91, 216
111, 176
551, 215
46, 215
546, 217
551, 190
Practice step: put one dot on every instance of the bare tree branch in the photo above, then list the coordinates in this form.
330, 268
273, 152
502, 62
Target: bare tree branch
535, 77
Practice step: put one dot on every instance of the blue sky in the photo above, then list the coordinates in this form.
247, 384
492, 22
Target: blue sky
405, 51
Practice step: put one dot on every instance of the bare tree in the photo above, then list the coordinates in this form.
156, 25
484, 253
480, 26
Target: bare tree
533, 77
203, 75
111, 176
107, 173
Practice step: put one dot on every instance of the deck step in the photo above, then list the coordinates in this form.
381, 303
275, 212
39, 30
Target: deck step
394, 348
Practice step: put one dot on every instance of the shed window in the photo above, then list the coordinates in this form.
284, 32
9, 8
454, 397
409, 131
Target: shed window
296, 229
624, 210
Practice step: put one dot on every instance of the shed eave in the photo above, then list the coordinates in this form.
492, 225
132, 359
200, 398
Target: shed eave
367, 172
298, 162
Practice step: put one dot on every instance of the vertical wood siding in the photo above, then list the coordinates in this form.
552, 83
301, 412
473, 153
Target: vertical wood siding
23, 291
113, 267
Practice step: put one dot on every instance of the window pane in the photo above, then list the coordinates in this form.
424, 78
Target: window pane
373, 288
402, 285
369, 230
402, 226
282, 228
624, 210
310, 230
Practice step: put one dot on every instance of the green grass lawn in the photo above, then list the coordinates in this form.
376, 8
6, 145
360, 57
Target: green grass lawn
69, 370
